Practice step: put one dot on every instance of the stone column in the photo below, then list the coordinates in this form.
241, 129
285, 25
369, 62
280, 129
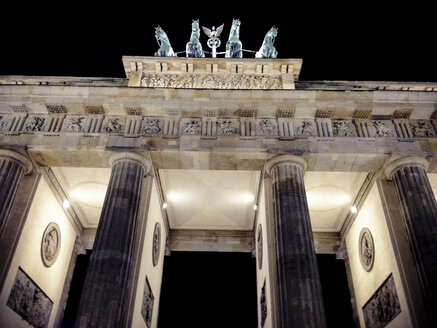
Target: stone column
107, 290
13, 166
299, 294
420, 214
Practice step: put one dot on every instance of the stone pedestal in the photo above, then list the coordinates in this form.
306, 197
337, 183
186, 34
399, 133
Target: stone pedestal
299, 294
420, 213
107, 290
13, 166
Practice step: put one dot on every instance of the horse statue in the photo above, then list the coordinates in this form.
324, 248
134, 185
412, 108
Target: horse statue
267, 49
234, 47
165, 49
194, 48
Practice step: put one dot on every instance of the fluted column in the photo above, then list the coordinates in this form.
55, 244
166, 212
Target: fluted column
299, 294
107, 288
13, 166
420, 214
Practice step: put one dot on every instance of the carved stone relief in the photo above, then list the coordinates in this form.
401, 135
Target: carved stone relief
156, 244
422, 129
305, 128
383, 306
267, 127
152, 126
191, 126
384, 128
34, 123
259, 245
50, 244
263, 304
4, 122
367, 249
228, 127
29, 301
344, 128
74, 123
211, 81
113, 124
147, 305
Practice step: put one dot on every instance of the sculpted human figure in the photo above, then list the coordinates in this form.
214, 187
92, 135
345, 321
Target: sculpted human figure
194, 48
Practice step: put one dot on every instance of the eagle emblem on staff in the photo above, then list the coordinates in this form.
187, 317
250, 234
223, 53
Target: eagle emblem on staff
213, 40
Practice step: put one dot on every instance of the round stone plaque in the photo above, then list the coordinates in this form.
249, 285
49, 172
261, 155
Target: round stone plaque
50, 244
367, 249
156, 245
259, 245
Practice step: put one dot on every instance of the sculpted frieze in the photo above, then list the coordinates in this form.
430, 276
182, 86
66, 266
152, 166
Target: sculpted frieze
35, 123
305, 128
383, 128
5, 121
152, 126
74, 123
113, 124
422, 129
191, 126
344, 128
211, 81
228, 127
267, 127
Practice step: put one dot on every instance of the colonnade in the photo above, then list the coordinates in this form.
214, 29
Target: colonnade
108, 289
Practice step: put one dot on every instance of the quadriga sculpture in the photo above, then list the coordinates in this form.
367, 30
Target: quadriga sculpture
267, 49
165, 49
194, 48
234, 47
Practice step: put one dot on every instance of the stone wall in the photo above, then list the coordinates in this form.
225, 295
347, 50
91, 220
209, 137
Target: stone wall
375, 271
33, 286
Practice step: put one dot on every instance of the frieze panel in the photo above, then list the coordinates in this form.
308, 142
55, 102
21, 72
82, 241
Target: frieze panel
267, 127
344, 128
147, 305
228, 127
152, 126
35, 123
211, 81
422, 129
74, 123
29, 301
305, 128
190, 126
383, 306
113, 124
384, 128
6, 121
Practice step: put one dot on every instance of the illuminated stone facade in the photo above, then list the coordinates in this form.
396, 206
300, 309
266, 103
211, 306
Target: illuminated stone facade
210, 154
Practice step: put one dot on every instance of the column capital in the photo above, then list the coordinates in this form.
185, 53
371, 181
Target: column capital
400, 162
285, 159
23, 160
129, 156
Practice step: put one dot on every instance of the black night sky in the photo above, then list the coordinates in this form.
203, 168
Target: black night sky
355, 40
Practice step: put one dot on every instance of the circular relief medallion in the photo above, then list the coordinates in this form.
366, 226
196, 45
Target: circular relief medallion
156, 245
50, 244
367, 249
259, 245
